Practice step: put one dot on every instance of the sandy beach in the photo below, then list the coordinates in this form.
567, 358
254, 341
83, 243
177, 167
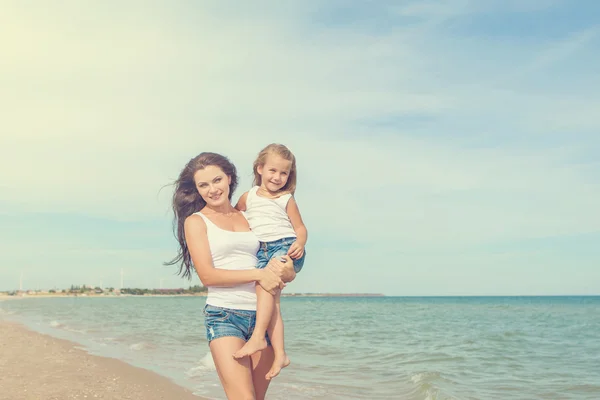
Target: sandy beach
39, 367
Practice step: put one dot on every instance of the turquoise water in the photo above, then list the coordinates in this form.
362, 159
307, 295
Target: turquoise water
357, 348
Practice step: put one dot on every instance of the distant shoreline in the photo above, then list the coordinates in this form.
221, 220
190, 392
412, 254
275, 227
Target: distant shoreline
52, 295
5, 295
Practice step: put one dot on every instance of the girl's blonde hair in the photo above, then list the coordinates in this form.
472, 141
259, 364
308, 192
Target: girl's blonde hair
282, 152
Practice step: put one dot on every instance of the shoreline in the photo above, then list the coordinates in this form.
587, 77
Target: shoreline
110, 296
38, 366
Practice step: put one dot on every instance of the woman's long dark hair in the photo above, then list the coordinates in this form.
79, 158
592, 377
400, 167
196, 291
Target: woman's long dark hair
187, 201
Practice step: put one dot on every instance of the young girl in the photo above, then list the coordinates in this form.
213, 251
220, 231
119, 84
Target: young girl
274, 218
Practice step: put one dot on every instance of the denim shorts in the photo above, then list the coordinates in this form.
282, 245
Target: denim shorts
222, 322
277, 248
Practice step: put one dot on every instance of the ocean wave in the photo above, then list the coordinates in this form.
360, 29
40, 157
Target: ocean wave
305, 391
424, 376
426, 358
205, 365
56, 324
141, 346
59, 325
104, 341
429, 386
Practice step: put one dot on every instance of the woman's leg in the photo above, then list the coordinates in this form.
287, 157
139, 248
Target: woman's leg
277, 340
265, 304
261, 363
236, 375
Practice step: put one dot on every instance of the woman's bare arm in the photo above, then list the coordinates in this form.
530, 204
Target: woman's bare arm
241, 204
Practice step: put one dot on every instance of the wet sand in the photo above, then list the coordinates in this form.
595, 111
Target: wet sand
39, 367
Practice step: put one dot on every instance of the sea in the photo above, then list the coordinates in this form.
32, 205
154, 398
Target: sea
372, 348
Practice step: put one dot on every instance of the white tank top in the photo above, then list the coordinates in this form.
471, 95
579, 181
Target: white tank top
233, 251
268, 218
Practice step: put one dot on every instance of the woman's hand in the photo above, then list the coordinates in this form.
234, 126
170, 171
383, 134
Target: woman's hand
270, 281
277, 271
283, 268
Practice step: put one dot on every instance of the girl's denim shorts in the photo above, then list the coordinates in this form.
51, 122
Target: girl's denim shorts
222, 322
277, 248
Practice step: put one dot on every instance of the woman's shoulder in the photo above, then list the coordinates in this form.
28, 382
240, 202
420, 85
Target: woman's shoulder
195, 220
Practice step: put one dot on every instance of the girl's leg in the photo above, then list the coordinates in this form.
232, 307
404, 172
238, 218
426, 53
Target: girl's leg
261, 363
265, 304
235, 375
276, 336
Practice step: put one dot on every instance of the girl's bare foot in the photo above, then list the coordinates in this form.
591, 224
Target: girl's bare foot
251, 347
278, 364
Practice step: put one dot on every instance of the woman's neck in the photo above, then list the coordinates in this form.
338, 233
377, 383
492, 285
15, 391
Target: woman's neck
224, 209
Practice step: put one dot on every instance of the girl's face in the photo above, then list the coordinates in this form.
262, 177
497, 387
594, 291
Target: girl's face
213, 185
274, 173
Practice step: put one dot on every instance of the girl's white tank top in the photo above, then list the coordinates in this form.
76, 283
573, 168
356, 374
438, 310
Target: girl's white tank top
268, 218
233, 251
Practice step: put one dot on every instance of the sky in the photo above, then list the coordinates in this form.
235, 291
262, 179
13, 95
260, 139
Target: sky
444, 147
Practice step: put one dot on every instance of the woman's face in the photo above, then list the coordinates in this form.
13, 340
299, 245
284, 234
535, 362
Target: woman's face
213, 185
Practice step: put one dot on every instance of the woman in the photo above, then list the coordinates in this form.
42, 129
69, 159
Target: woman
215, 239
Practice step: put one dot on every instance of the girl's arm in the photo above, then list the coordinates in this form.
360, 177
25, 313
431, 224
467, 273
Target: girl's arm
241, 204
198, 246
296, 219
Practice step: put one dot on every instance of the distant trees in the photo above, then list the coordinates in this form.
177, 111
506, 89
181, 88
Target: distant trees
80, 289
197, 289
140, 292
77, 289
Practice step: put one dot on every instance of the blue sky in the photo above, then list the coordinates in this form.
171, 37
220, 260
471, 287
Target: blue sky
444, 147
